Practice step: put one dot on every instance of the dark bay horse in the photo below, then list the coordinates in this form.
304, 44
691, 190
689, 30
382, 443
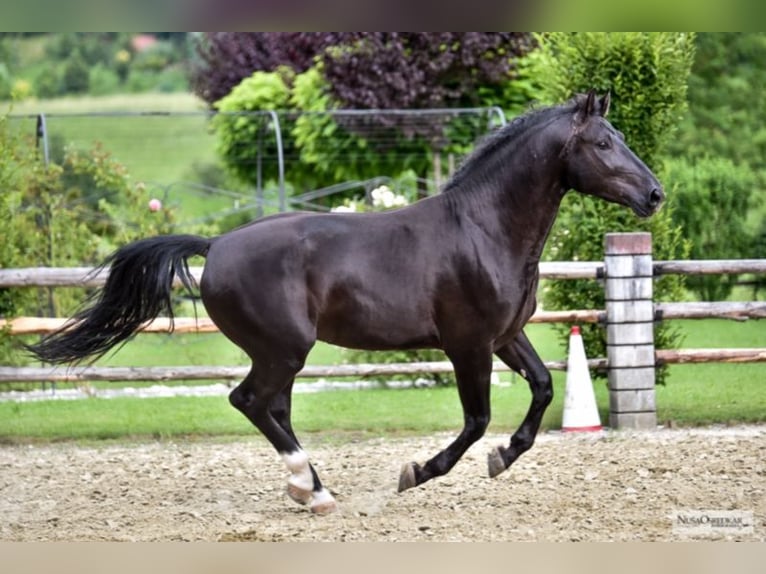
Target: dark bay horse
457, 271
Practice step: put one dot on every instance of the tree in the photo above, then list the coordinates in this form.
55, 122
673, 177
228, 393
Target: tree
712, 199
224, 59
324, 73
385, 70
719, 164
368, 70
727, 113
76, 77
412, 70
646, 76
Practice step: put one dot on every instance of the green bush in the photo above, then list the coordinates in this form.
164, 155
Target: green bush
172, 79
55, 215
712, 198
330, 147
646, 75
240, 126
103, 81
156, 58
76, 76
343, 148
47, 82
86, 62
6, 82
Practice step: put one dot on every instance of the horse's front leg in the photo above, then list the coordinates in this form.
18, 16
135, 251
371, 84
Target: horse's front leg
520, 356
473, 370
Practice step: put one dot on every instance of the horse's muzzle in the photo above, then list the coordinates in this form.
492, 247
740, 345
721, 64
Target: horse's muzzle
651, 204
656, 197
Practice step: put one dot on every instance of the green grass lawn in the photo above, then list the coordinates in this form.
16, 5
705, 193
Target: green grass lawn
694, 395
369, 413
163, 151
147, 102
716, 392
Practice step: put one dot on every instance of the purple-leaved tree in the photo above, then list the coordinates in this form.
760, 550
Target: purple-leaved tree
368, 70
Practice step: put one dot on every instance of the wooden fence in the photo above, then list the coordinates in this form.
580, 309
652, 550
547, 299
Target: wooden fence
627, 273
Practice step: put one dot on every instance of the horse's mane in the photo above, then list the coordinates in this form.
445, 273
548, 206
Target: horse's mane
503, 137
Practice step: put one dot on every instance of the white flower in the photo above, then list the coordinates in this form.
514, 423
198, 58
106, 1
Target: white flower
383, 197
350, 208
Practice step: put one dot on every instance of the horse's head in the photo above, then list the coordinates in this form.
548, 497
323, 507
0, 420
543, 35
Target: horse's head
599, 163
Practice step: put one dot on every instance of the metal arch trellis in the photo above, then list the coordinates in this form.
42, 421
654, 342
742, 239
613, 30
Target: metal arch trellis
495, 117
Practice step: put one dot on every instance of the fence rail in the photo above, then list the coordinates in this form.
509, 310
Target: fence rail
627, 274
95, 277
740, 311
361, 370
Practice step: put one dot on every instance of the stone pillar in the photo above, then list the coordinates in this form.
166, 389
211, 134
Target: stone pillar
630, 330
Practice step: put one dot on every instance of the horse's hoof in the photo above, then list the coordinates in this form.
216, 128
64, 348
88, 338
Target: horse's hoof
323, 503
495, 462
407, 477
324, 508
298, 494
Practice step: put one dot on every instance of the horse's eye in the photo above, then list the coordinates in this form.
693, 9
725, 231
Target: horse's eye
602, 144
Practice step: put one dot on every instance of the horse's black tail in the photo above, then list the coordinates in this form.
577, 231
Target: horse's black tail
137, 290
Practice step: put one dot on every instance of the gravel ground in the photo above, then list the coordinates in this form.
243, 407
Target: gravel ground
569, 487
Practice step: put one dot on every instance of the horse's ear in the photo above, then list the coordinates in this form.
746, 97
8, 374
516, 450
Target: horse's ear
605, 104
587, 106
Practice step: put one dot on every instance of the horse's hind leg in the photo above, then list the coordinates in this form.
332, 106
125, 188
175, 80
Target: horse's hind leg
473, 370
300, 486
264, 398
522, 358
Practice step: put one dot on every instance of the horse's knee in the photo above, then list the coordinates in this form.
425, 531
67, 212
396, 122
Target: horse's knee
542, 389
546, 395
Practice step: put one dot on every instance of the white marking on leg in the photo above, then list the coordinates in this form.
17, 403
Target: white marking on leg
323, 502
298, 464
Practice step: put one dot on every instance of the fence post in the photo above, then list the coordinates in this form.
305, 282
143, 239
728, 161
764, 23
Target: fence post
630, 330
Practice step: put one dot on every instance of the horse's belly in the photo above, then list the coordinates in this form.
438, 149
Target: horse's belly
375, 332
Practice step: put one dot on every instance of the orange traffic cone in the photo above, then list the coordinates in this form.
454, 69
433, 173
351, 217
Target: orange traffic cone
580, 410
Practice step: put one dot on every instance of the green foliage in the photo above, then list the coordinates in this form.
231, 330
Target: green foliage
727, 113
157, 58
55, 215
242, 129
646, 75
6, 85
341, 148
100, 63
727, 120
76, 77
330, 146
102, 81
328, 149
711, 201
47, 82
757, 250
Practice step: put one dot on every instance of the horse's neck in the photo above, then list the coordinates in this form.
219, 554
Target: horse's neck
519, 211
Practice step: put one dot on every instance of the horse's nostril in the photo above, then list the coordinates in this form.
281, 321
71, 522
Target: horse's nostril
655, 197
